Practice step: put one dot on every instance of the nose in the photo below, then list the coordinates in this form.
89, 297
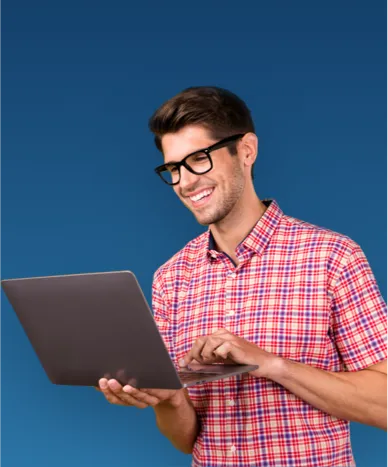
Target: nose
187, 179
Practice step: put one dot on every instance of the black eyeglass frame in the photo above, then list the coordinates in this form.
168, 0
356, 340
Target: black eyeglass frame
207, 151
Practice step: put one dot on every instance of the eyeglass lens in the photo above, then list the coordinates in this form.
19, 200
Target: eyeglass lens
198, 162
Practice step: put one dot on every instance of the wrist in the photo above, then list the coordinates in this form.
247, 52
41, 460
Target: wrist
272, 368
276, 368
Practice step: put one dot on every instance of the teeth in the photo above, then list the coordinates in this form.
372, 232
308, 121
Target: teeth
201, 195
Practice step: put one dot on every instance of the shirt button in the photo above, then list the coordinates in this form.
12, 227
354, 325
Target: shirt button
230, 402
233, 275
233, 449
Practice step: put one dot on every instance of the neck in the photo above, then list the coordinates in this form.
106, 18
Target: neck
232, 230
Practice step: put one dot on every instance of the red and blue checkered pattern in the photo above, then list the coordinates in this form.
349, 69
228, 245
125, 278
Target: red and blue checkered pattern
300, 291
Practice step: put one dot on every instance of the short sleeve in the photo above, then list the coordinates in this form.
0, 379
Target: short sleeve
163, 322
359, 314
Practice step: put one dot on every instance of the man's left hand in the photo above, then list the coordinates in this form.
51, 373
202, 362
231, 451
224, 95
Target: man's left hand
225, 347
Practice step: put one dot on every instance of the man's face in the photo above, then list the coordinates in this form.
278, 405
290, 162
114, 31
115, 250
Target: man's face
223, 185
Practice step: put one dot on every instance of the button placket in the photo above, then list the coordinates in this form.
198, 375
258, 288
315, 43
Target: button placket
231, 277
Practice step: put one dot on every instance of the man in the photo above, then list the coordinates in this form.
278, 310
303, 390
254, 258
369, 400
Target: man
258, 287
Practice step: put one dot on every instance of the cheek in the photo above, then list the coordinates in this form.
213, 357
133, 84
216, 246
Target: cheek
177, 192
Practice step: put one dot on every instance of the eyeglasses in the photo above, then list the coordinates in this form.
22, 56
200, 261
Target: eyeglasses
198, 162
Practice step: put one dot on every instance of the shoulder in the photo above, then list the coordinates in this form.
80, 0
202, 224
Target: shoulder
178, 265
321, 245
304, 234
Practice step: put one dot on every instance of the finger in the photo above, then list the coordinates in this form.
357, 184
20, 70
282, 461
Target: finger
221, 331
198, 348
223, 349
111, 397
141, 395
161, 394
128, 399
112, 391
195, 352
211, 344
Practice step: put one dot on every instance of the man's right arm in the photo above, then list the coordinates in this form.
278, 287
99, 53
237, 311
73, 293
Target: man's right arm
176, 417
175, 414
177, 420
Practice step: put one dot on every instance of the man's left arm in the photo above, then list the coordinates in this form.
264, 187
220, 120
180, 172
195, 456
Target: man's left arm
359, 330
359, 396
358, 324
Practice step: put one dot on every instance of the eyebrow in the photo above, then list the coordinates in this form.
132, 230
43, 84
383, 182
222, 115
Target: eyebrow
190, 154
187, 155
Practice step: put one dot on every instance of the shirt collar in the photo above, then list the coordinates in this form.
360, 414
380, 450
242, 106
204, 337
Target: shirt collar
258, 238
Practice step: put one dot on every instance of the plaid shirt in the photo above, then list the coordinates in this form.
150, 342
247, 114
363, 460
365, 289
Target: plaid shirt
300, 291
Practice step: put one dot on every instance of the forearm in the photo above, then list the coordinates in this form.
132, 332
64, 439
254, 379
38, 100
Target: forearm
355, 396
177, 420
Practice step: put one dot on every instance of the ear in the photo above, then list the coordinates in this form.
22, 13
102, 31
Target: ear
249, 149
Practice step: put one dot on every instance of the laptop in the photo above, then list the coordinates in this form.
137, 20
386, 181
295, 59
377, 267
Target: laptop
84, 327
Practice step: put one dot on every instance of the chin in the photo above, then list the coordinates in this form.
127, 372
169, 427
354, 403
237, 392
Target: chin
207, 219
200, 219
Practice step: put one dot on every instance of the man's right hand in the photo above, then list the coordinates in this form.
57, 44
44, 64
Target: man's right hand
116, 394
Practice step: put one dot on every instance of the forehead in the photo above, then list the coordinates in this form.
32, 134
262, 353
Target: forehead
189, 139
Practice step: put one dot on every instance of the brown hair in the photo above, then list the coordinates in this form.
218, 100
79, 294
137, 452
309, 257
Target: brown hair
219, 110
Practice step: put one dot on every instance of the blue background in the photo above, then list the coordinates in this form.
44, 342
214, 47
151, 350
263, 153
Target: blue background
80, 80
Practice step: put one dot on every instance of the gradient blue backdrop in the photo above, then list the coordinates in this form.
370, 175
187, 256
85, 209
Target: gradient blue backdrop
80, 80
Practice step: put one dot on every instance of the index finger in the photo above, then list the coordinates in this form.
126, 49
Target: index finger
195, 352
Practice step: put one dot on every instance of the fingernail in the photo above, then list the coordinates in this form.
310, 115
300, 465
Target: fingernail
182, 362
127, 388
103, 383
113, 384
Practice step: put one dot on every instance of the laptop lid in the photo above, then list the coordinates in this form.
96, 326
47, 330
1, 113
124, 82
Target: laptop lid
87, 326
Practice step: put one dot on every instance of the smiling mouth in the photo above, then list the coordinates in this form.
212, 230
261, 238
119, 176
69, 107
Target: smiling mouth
202, 198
